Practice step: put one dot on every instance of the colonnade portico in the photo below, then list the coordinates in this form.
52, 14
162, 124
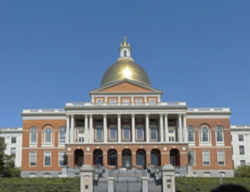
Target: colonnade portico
162, 127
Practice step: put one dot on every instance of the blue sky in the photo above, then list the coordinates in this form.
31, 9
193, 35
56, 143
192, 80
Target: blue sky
53, 52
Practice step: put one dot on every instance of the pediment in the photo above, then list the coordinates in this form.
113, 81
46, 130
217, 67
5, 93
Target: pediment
126, 86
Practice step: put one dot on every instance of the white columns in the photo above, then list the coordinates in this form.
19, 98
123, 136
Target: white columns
86, 139
119, 127
72, 129
147, 128
166, 128
179, 128
133, 128
185, 133
161, 128
67, 129
91, 129
105, 128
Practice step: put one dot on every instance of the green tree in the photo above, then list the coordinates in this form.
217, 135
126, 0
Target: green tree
2, 148
7, 165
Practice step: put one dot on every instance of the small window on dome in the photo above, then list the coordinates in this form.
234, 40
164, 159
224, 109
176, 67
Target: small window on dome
125, 53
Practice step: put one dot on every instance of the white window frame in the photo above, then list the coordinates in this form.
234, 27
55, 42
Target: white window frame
111, 127
60, 158
143, 133
194, 157
193, 131
138, 100
221, 158
201, 135
219, 142
30, 136
204, 155
59, 136
99, 100
44, 136
35, 158
44, 158
129, 128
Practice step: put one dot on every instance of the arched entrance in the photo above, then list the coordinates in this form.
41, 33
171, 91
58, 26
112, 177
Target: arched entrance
98, 157
78, 157
155, 157
141, 158
175, 157
112, 157
126, 158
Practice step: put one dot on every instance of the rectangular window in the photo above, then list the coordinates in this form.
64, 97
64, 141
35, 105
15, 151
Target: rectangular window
13, 140
154, 132
241, 137
99, 100
221, 158
190, 134
139, 100
99, 131
126, 132
140, 132
151, 100
47, 159
242, 149
206, 158
61, 158
192, 158
113, 132
32, 159
112, 100
242, 162
125, 100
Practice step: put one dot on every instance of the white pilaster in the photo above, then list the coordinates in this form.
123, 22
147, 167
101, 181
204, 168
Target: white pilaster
133, 128
67, 129
91, 129
72, 129
179, 128
86, 139
166, 128
147, 128
185, 133
119, 127
161, 129
105, 138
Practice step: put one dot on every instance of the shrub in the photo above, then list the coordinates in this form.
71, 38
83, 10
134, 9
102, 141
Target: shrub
243, 171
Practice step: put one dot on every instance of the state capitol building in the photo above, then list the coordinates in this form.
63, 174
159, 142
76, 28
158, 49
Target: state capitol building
127, 125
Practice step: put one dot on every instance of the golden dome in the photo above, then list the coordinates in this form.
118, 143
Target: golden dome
125, 69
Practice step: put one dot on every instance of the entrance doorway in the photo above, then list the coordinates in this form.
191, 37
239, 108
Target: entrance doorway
79, 157
112, 157
98, 157
141, 158
175, 157
155, 157
126, 158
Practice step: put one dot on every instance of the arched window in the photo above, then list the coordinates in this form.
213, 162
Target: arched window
205, 134
33, 135
47, 136
219, 134
62, 134
190, 134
